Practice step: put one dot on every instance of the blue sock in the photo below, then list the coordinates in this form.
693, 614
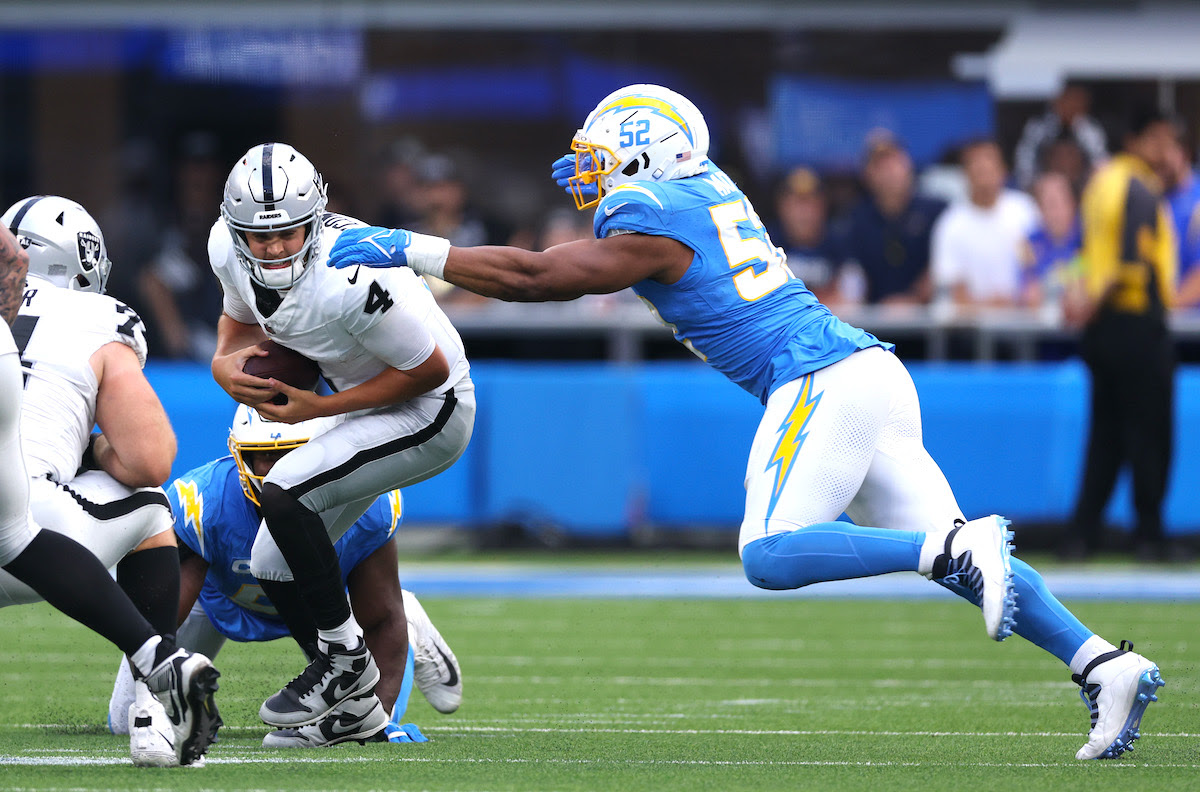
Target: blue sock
406, 684
1042, 619
829, 551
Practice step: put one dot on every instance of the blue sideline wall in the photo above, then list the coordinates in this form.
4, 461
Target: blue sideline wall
596, 448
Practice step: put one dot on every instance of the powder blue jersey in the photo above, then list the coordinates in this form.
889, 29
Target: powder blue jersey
215, 519
738, 306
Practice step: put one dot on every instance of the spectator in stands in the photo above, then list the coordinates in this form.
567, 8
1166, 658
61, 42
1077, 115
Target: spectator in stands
401, 200
802, 232
183, 298
978, 242
1051, 262
131, 229
1067, 115
1183, 196
1129, 268
446, 211
886, 236
1066, 157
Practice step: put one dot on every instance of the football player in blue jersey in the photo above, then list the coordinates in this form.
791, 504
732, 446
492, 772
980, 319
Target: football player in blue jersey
841, 432
216, 520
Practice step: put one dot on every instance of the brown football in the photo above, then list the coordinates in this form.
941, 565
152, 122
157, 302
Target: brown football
285, 365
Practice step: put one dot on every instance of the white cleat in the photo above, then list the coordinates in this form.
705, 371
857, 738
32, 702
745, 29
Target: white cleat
977, 557
185, 683
1116, 687
151, 738
435, 668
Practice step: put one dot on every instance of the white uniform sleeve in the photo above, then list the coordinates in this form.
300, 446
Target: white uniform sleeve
129, 330
388, 326
220, 257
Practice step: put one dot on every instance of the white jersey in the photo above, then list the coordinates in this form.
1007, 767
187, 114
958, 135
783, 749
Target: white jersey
57, 331
353, 322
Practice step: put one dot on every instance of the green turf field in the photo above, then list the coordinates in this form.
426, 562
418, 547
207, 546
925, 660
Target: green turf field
652, 695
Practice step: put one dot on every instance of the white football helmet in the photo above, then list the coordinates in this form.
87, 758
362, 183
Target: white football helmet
65, 245
252, 432
274, 188
638, 133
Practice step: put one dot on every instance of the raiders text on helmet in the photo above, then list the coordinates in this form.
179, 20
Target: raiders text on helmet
274, 188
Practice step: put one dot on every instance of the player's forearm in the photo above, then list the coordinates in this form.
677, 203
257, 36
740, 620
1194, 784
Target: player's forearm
233, 335
388, 642
510, 274
390, 386
14, 263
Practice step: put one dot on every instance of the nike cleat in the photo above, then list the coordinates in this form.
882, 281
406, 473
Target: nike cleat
435, 668
150, 734
335, 675
977, 558
1116, 687
361, 720
185, 683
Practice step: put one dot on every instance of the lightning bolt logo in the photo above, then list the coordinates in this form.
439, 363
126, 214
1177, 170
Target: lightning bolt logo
658, 106
791, 437
397, 504
191, 503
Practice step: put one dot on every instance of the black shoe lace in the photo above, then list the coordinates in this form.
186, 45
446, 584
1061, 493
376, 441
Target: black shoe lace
307, 679
961, 572
1089, 692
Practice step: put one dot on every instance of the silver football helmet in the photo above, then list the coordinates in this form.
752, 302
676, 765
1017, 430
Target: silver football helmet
638, 133
65, 245
252, 432
274, 188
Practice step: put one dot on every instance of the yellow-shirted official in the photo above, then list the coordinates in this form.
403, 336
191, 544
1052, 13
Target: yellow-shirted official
1129, 262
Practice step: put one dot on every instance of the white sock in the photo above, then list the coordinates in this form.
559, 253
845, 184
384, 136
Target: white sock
143, 658
934, 546
348, 634
1092, 648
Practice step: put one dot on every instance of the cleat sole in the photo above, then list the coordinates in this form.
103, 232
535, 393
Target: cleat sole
204, 709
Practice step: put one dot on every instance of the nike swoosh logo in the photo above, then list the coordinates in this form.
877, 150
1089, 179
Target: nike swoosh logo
449, 667
608, 210
344, 724
354, 279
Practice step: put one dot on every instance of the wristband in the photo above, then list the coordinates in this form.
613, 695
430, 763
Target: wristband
427, 254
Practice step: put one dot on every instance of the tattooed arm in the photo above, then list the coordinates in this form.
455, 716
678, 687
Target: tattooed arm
14, 263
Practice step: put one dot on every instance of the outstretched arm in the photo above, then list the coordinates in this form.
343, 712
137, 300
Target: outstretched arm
14, 263
567, 271
563, 272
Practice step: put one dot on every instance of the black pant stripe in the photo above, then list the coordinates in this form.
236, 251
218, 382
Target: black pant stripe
121, 507
379, 452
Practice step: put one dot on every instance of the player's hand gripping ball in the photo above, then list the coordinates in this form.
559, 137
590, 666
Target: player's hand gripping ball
285, 365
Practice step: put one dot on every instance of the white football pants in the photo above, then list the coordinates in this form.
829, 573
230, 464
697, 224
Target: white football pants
846, 438
102, 514
339, 474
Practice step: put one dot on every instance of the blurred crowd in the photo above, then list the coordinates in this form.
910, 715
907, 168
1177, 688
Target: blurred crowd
966, 234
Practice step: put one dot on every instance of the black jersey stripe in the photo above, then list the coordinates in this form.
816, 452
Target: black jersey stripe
379, 452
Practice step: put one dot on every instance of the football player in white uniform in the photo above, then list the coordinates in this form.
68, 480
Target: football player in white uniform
400, 385
82, 354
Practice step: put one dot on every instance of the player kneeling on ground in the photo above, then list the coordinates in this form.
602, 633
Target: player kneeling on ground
217, 517
841, 429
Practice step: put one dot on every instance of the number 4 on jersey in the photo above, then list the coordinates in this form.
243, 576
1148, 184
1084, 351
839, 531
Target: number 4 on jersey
378, 299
